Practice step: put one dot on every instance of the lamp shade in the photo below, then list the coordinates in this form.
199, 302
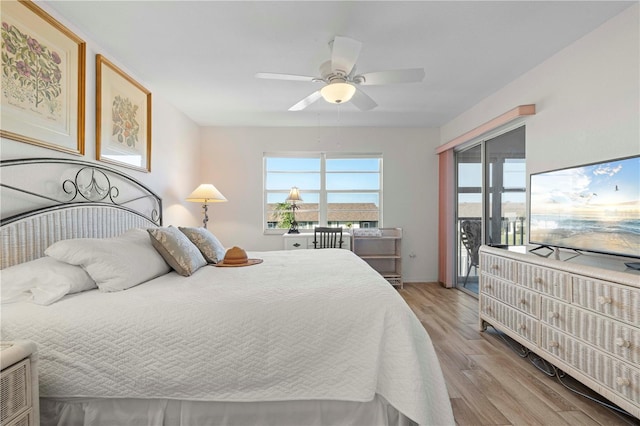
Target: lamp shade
294, 195
338, 93
206, 193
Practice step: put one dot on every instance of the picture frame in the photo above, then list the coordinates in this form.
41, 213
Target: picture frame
123, 118
42, 94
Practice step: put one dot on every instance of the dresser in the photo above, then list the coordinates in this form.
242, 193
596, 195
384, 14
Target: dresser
303, 241
19, 404
581, 315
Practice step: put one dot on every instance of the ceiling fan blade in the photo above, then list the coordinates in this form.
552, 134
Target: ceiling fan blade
410, 75
277, 76
344, 54
306, 101
362, 101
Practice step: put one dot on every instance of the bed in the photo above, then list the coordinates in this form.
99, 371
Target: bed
302, 338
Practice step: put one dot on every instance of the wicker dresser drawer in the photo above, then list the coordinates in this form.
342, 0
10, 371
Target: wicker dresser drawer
616, 301
608, 335
15, 396
545, 280
522, 325
19, 402
619, 377
497, 266
515, 296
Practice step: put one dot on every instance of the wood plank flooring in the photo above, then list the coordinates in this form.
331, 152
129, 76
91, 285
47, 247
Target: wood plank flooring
488, 383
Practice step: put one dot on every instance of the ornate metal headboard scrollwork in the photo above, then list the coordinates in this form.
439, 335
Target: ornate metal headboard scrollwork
49, 199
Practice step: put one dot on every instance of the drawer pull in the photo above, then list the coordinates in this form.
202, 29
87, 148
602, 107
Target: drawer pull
523, 301
623, 381
604, 300
554, 315
494, 267
522, 326
623, 343
554, 344
296, 244
487, 286
537, 280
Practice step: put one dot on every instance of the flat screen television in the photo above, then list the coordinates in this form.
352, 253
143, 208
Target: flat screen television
593, 207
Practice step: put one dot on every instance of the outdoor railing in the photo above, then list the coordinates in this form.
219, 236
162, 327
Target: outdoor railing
512, 232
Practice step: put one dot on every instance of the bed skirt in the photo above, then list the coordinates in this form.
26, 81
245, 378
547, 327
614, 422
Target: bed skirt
109, 412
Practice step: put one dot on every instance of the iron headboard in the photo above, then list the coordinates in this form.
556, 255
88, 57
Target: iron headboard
45, 200
71, 183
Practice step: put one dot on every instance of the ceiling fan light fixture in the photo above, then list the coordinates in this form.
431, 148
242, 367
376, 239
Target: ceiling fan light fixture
338, 93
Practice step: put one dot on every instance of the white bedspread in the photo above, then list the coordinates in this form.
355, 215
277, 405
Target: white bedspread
303, 325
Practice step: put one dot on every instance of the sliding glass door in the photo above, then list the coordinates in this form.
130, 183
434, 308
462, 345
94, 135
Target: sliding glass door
506, 189
469, 216
491, 200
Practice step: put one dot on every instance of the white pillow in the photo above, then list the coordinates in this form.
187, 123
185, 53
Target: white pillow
42, 281
114, 263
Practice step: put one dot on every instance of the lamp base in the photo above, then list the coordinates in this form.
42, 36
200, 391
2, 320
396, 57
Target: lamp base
293, 229
205, 219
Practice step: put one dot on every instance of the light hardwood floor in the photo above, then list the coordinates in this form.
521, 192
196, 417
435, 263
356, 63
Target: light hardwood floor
488, 383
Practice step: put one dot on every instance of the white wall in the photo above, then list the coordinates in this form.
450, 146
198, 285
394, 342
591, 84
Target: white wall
587, 99
175, 142
232, 161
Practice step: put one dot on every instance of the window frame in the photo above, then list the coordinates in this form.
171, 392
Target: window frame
322, 192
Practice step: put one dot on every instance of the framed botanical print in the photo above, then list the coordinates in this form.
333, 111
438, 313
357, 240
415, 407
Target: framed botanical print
123, 118
42, 87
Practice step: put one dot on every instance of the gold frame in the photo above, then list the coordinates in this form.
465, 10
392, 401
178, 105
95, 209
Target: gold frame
62, 127
116, 144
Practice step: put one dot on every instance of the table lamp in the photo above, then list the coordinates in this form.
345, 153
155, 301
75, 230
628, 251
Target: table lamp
206, 193
294, 195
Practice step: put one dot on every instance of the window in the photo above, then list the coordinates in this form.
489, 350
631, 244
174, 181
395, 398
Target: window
337, 190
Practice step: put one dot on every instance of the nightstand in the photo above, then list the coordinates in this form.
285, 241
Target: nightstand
19, 403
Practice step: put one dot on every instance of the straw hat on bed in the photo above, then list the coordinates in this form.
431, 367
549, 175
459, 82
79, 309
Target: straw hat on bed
236, 256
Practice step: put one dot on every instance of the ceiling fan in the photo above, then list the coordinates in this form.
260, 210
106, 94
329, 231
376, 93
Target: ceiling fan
342, 81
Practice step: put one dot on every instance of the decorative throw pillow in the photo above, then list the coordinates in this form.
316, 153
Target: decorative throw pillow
43, 281
210, 247
114, 263
177, 250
